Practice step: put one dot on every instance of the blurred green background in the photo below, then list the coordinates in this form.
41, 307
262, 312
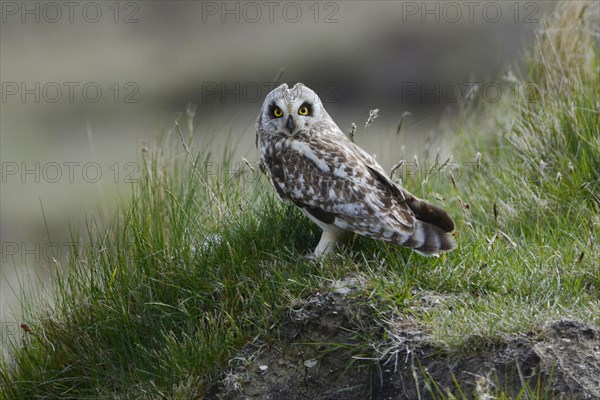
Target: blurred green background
85, 87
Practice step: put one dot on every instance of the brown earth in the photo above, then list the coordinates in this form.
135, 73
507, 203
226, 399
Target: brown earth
319, 357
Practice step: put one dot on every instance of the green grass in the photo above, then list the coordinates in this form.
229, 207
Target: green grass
201, 261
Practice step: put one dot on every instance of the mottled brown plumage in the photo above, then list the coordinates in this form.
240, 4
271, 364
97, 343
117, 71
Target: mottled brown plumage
336, 183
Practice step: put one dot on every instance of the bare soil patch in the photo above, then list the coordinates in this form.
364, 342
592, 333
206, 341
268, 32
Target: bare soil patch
322, 355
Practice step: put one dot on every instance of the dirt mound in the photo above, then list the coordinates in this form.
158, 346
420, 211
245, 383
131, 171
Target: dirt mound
574, 350
326, 352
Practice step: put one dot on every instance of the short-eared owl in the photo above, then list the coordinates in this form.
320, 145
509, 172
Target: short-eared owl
336, 183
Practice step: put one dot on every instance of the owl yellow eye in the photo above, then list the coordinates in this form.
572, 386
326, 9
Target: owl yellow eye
277, 112
305, 109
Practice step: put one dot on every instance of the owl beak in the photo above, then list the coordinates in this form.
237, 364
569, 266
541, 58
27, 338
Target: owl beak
290, 125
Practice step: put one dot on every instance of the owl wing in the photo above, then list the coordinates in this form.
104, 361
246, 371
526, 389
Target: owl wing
330, 178
338, 183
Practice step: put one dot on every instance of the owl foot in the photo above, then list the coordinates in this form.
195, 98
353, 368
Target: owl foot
328, 244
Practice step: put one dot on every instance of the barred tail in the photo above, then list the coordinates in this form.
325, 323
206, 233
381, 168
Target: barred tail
428, 239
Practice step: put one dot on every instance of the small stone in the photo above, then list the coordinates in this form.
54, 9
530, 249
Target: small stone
263, 368
310, 363
342, 290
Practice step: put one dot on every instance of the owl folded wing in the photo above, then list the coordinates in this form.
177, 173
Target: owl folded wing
334, 184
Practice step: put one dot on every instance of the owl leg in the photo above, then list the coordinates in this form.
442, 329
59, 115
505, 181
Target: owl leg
329, 242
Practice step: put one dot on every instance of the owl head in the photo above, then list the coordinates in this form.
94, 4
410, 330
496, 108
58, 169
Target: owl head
289, 111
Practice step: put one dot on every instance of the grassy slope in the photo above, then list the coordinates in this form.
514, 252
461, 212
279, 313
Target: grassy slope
201, 261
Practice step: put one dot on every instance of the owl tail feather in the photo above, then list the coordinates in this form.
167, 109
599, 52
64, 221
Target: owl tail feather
423, 210
430, 235
427, 212
429, 239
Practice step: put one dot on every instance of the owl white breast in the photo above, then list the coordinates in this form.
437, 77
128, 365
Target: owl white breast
336, 183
